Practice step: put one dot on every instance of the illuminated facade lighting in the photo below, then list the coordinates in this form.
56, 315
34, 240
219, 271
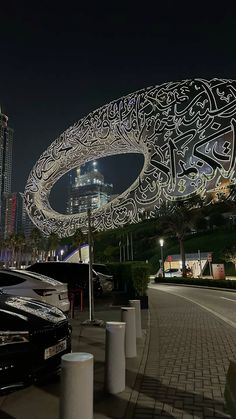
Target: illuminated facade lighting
185, 131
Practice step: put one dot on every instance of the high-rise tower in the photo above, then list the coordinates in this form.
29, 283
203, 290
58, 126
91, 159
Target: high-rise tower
87, 190
6, 138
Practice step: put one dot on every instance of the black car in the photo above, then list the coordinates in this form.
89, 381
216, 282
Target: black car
33, 337
75, 275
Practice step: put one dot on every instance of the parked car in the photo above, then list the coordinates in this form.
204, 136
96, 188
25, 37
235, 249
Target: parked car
75, 275
105, 276
33, 337
169, 273
172, 272
39, 287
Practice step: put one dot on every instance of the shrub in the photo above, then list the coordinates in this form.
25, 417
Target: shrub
122, 276
221, 283
130, 277
140, 278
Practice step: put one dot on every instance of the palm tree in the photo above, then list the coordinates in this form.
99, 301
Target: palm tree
37, 243
52, 244
20, 244
78, 239
229, 255
12, 245
177, 218
4, 247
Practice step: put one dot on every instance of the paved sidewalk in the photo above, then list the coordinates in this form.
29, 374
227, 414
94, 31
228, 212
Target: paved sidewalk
188, 358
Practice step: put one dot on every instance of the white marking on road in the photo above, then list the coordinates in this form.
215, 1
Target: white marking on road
230, 322
228, 299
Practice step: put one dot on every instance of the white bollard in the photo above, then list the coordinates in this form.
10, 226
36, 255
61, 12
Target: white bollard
136, 305
76, 400
128, 316
115, 357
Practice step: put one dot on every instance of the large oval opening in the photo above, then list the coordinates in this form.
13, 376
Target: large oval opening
96, 183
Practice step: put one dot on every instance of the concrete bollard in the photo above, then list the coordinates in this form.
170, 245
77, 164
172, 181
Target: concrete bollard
136, 305
115, 357
76, 400
128, 316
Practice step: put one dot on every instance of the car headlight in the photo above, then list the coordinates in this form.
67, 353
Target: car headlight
9, 337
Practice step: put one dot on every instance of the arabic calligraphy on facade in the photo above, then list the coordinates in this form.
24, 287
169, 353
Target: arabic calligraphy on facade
185, 130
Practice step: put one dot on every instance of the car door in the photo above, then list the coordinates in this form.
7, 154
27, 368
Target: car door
13, 284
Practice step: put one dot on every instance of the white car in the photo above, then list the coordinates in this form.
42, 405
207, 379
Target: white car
169, 273
37, 286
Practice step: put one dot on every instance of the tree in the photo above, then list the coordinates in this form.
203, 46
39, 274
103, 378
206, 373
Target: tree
20, 244
78, 239
37, 243
201, 223
177, 218
229, 255
2, 249
110, 254
15, 243
5, 250
216, 219
12, 245
52, 244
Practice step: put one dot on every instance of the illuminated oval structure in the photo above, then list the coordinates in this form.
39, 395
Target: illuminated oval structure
185, 131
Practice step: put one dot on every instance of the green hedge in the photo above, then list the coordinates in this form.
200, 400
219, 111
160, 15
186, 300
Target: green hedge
140, 278
130, 277
221, 283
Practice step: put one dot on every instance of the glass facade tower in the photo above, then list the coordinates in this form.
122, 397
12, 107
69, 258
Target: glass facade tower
6, 139
87, 190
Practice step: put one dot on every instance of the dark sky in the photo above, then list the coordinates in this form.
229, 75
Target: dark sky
58, 63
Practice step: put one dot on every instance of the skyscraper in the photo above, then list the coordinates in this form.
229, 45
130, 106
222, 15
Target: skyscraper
87, 190
6, 138
12, 214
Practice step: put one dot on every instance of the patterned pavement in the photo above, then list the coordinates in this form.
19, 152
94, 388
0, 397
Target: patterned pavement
187, 360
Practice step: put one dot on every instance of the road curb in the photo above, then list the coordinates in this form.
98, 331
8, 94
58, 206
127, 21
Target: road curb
140, 372
195, 286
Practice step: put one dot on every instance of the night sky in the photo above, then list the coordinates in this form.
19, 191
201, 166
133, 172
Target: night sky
58, 63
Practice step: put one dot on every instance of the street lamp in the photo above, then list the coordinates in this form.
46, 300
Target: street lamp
161, 241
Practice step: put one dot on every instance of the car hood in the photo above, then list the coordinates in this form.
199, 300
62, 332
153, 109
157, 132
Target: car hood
17, 312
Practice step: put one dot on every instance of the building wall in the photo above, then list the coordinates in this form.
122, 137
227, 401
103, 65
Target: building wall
12, 214
6, 139
27, 225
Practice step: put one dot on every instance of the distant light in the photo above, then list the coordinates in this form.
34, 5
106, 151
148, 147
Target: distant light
161, 241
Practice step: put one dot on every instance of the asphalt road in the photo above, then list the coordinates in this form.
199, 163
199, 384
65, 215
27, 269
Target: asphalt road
220, 303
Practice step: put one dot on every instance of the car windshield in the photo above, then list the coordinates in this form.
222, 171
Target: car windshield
103, 269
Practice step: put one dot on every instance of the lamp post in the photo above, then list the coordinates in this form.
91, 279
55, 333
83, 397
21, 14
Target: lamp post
161, 241
91, 321
91, 295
